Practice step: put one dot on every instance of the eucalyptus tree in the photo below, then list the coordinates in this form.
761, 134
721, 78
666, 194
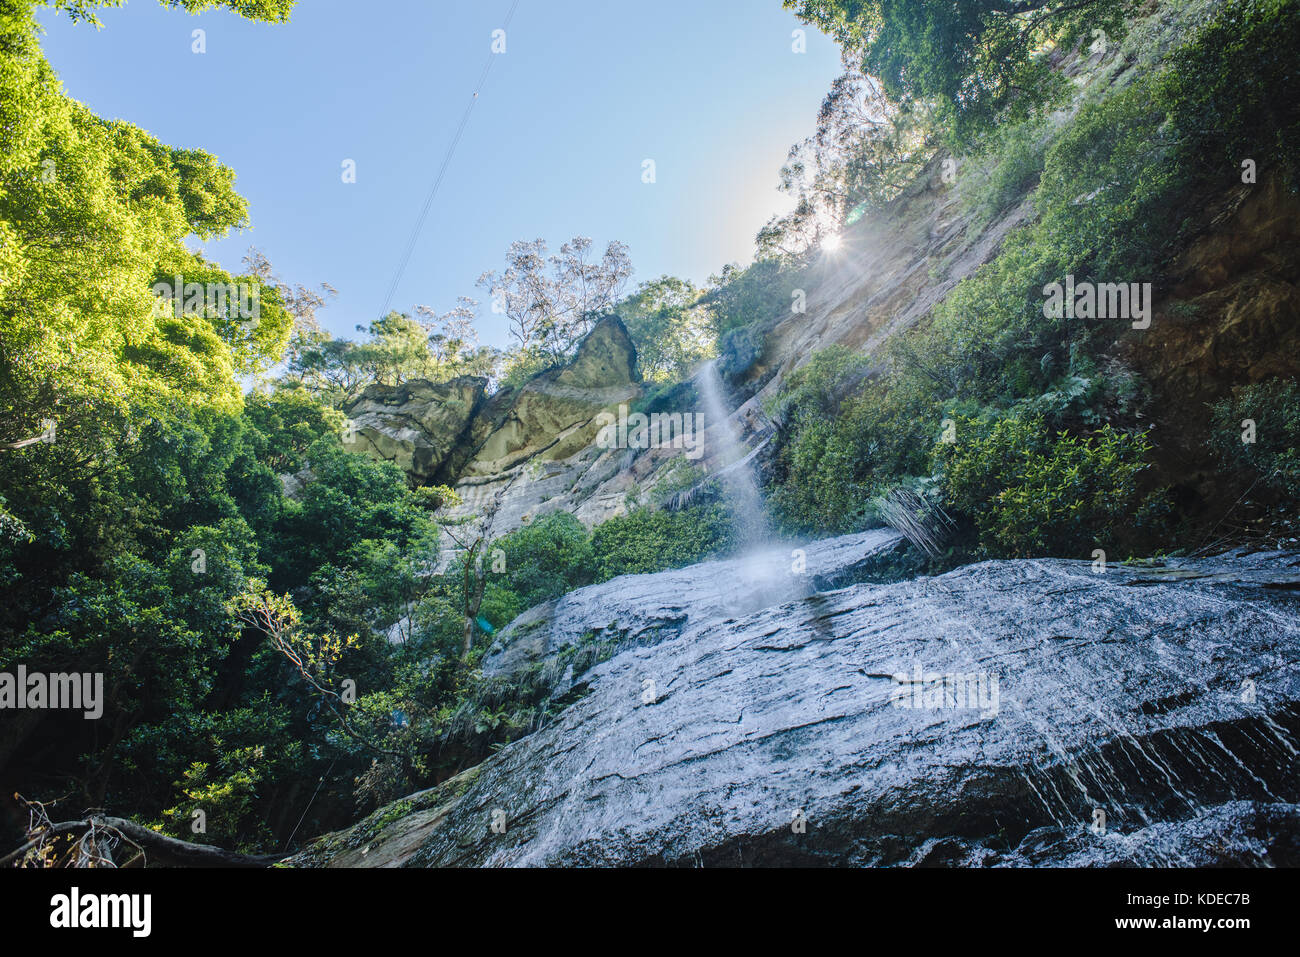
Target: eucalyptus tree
551, 302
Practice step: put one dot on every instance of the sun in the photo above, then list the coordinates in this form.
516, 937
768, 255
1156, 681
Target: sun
833, 242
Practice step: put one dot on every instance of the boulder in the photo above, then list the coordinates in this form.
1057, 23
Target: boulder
552, 416
418, 425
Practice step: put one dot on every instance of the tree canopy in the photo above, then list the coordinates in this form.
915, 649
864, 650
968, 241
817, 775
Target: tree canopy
272, 11
977, 57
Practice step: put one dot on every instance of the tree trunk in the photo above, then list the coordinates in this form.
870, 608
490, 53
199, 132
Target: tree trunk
160, 850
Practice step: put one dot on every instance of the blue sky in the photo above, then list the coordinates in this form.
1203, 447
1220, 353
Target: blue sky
587, 90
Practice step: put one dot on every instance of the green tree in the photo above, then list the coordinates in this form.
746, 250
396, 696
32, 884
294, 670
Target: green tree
92, 213
976, 57
672, 332
274, 11
546, 558
289, 420
351, 501
743, 296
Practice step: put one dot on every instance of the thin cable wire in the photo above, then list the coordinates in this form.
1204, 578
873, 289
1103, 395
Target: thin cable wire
414, 238
319, 785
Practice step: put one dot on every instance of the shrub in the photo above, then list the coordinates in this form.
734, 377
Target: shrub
1273, 459
352, 499
847, 435
1225, 84
547, 558
1011, 164
1030, 491
651, 541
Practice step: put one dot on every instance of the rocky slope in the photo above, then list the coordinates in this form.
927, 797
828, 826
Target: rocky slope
1229, 314
1230, 317
523, 453
1020, 712
642, 610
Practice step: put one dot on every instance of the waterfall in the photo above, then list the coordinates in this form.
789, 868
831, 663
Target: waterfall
763, 574
733, 465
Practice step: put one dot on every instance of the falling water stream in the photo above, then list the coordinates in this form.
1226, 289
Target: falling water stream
764, 568
733, 468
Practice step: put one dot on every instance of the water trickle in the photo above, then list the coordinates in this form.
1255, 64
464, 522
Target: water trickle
733, 464
761, 562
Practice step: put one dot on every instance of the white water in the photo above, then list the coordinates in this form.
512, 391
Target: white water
763, 574
730, 466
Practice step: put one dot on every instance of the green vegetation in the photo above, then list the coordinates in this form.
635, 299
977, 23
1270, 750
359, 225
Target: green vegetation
846, 438
1255, 432
397, 349
1047, 451
1014, 156
92, 214
742, 297
650, 541
547, 558
1030, 492
281, 660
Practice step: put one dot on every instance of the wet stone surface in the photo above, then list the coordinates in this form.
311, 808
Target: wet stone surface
1166, 697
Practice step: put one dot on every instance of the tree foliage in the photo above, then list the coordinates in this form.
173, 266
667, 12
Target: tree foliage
978, 59
551, 302
670, 328
273, 11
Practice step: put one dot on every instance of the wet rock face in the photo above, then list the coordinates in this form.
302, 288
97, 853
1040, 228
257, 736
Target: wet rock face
1232, 312
647, 609
1019, 712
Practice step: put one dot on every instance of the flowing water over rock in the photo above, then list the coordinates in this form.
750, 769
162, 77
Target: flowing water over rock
744, 500
1006, 713
641, 610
